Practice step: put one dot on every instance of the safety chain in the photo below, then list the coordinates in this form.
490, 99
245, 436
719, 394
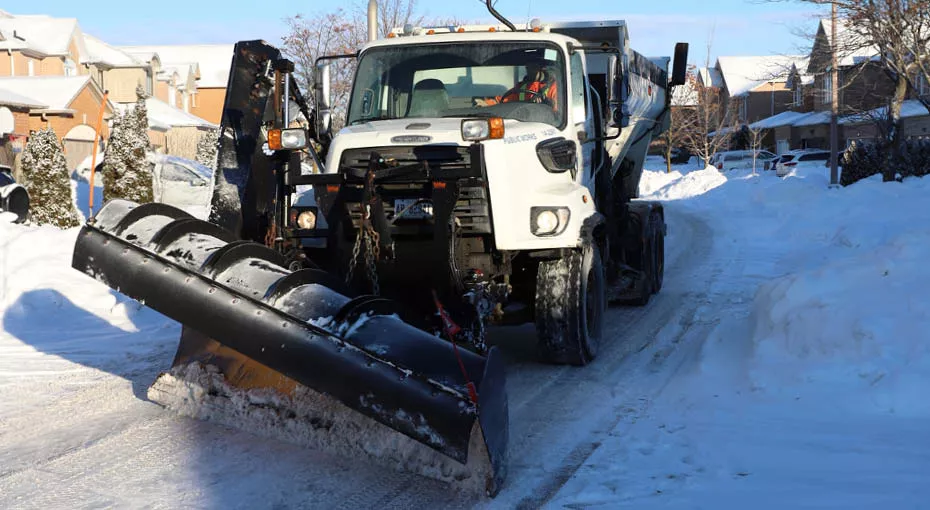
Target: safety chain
372, 240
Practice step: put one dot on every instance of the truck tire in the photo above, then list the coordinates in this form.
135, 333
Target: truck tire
571, 301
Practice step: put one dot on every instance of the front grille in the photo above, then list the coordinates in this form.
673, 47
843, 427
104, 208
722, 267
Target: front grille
438, 157
472, 209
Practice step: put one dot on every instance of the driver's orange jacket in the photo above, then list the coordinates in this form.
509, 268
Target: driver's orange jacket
534, 91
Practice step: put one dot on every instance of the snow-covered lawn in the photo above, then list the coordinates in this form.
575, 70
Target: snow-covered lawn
809, 391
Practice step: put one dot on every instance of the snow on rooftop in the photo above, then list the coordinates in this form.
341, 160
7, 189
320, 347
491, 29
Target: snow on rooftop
851, 46
710, 77
10, 98
44, 34
162, 116
910, 108
781, 119
743, 74
214, 60
812, 119
99, 52
56, 92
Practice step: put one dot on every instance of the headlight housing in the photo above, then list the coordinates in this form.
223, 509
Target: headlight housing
476, 130
549, 221
303, 218
287, 139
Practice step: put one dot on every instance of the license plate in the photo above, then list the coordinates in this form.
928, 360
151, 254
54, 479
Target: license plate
412, 209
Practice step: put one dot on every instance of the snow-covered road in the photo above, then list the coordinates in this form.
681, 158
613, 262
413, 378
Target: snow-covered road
679, 410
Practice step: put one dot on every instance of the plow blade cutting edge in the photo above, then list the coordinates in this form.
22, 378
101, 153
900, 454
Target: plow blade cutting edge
297, 333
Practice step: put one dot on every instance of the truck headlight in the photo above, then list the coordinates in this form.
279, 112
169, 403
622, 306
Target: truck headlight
549, 221
287, 139
303, 218
476, 130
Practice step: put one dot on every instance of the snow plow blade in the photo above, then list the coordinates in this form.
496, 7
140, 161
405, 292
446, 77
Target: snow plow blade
265, 327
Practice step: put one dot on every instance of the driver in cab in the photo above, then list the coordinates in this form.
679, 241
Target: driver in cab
538, 86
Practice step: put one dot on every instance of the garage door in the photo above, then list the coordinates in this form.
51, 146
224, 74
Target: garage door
78, 144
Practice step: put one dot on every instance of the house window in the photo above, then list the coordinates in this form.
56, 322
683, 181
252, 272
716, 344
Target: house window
742, 109
70, 68
923, 86
828, 88
798, 95
30, 68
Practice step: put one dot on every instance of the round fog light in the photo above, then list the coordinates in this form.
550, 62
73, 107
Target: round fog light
306, 220
547, 222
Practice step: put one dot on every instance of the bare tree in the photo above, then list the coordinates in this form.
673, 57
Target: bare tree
683, 118
754, 136
897, 34
712, 116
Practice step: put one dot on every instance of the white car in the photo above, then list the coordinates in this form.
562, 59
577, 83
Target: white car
176, 181
801, 159
731, 160
181, 182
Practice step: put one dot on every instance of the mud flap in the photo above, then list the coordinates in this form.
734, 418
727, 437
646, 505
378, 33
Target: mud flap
266, 327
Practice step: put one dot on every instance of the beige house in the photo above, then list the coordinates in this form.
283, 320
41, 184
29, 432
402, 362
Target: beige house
118, 72
201, 73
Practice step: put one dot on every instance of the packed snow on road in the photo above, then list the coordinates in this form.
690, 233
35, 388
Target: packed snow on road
784, 365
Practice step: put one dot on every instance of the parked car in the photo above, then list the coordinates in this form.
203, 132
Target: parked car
181, 182
680, 155
731, 160
802, 158
175, 181
13, 196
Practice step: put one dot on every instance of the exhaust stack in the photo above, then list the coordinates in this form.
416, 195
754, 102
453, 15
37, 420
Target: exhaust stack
372, 20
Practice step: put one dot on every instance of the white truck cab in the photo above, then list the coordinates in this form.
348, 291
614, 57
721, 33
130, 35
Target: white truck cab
507, 157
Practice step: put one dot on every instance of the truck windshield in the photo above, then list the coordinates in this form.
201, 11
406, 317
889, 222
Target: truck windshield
514, 80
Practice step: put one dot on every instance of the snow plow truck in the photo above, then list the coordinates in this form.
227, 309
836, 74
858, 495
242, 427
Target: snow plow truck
341, 292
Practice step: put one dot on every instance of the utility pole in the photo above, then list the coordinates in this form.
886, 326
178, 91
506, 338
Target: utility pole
835, 100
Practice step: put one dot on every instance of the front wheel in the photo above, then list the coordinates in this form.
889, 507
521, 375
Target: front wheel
571, 302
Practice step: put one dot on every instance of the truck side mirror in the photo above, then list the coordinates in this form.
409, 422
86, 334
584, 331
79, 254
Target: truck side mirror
614, 93
617, 110
322, 95
680, 66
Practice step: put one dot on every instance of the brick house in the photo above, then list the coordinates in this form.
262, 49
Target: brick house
863, 87
70, 106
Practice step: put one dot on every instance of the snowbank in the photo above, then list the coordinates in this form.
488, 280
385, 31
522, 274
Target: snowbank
839, 278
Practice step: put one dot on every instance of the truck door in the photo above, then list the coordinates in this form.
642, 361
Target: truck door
582, 115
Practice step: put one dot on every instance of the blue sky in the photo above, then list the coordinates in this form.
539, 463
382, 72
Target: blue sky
739, 27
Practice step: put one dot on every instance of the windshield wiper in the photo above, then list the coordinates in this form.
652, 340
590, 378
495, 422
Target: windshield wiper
479, 114
371, 119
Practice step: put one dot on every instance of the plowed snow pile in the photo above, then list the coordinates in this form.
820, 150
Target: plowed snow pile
811, 392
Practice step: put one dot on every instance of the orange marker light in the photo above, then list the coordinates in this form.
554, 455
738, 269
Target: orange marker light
392, 35
430, 32
439, 185
274, 139
461, 30
497, 128
492, 29
332, 188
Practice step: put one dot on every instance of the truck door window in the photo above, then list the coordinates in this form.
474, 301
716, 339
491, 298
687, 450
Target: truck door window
579, 102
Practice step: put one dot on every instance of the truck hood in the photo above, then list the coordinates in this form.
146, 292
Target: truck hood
439, 130
425, 131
